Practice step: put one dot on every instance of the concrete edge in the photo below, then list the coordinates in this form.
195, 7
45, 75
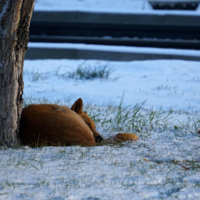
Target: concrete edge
58, 53
116, 18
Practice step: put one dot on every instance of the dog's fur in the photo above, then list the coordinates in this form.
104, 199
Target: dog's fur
57, 125
51, 124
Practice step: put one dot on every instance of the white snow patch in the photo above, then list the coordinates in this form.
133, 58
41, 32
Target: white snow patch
167, 83
109, 6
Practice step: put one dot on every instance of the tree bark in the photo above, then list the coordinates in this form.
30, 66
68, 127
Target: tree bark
15, 17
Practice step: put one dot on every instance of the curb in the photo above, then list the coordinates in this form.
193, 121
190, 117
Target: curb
33, 53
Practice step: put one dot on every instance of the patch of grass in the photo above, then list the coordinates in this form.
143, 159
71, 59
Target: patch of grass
88, 73
83, 72
194, 79
36, 75
130, 118
144, 122
165, 87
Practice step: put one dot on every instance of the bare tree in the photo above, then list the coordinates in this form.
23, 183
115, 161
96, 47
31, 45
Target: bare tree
15, 17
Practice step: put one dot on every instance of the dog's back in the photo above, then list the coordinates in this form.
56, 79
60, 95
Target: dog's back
54, 125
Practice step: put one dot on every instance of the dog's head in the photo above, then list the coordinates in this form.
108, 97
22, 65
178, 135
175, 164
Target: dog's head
78, 108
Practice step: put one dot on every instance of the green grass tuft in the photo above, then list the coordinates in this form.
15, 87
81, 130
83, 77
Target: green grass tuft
88, 73
136, 118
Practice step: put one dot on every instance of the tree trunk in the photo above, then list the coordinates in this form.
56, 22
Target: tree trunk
15, 17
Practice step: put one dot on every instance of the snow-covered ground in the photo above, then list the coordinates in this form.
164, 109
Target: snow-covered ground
170, 84
163, 164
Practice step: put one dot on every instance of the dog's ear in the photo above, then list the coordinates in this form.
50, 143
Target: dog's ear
77, 106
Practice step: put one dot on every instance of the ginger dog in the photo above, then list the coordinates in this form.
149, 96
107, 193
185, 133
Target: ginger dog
51, 124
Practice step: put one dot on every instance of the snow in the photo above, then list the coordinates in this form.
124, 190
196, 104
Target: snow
162, 164
170, 84
109, 6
